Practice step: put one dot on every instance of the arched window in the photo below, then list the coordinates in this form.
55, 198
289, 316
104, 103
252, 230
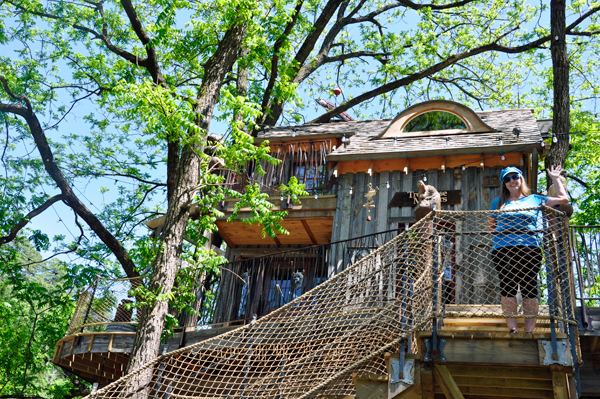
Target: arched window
434, 120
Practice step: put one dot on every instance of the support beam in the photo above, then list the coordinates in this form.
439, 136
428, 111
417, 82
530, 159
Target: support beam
559, 385
427, 388
446, 382
593, 344
310, 234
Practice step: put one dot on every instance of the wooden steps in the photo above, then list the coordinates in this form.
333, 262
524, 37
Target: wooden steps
490, 324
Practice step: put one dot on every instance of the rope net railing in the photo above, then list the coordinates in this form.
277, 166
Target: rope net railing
444, 265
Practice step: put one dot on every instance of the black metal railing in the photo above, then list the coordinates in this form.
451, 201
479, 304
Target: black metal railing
585, 245
255, 287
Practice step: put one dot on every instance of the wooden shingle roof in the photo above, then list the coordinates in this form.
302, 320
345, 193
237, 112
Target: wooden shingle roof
364, 144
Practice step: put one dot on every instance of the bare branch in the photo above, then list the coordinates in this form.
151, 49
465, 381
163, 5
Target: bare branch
152, 64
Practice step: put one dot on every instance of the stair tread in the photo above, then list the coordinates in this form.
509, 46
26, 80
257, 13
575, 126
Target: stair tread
489, 328
486, 320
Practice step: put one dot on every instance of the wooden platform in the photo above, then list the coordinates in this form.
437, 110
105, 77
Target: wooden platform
102, 357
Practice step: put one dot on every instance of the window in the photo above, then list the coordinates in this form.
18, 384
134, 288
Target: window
313, 177
434, 120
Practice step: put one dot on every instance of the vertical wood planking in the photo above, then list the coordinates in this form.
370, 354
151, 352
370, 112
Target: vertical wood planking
381, 210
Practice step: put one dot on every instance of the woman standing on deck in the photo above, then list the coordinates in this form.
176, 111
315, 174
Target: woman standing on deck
517, 254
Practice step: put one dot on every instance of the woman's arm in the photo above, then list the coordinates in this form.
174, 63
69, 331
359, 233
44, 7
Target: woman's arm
561, 192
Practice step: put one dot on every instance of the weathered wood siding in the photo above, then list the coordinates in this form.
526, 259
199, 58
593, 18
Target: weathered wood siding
472, 284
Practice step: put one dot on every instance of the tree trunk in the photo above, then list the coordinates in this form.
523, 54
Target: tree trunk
560, 65
166, 265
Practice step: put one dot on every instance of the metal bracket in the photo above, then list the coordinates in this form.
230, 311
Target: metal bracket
555, 358
427, 356
395, 371
589, 326
435, 353
441, 356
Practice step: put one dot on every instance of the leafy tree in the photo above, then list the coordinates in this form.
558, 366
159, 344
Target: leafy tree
36, 304
155, 74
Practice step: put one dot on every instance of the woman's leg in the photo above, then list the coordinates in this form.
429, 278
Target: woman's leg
531, 307
532, 261
509, 307
508, 289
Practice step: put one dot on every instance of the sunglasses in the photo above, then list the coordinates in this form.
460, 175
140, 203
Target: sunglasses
509, 178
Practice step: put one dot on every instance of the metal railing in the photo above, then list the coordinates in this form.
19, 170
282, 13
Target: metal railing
585, 244
244, 288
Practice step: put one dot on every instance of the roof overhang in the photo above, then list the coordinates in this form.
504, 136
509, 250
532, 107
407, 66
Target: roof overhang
516, 147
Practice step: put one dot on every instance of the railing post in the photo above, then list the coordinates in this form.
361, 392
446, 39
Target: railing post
568, 311
435, 265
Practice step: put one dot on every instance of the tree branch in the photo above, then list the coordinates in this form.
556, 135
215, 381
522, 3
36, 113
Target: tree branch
103, 37
69, 196
593, 33
152, 64
578, 180
356, 54
453, 59
275, 60
416, 6
19, 226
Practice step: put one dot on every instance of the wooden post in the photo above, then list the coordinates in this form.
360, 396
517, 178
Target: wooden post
427, 388
559, 385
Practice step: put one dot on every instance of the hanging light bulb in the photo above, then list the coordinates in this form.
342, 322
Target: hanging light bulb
554, 139
424, 178
316, 196
463, 167
344, 138
350, 190
294, 132
387, 184
502, 157
501, 140
543, 144
395, 140
281, 197
447, 141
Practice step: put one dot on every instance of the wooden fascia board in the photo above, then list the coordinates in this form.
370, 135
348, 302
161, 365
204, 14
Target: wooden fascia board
303, 137
353, 156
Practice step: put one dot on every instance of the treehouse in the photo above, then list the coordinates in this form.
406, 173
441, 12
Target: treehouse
363, 298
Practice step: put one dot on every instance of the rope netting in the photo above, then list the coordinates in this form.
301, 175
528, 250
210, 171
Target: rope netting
448, 264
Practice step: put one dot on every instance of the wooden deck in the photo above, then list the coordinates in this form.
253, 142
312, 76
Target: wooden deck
102, 357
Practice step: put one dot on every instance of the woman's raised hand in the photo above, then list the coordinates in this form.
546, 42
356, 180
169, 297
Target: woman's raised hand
555, 171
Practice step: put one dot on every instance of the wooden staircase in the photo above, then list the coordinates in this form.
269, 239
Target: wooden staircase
483, 361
